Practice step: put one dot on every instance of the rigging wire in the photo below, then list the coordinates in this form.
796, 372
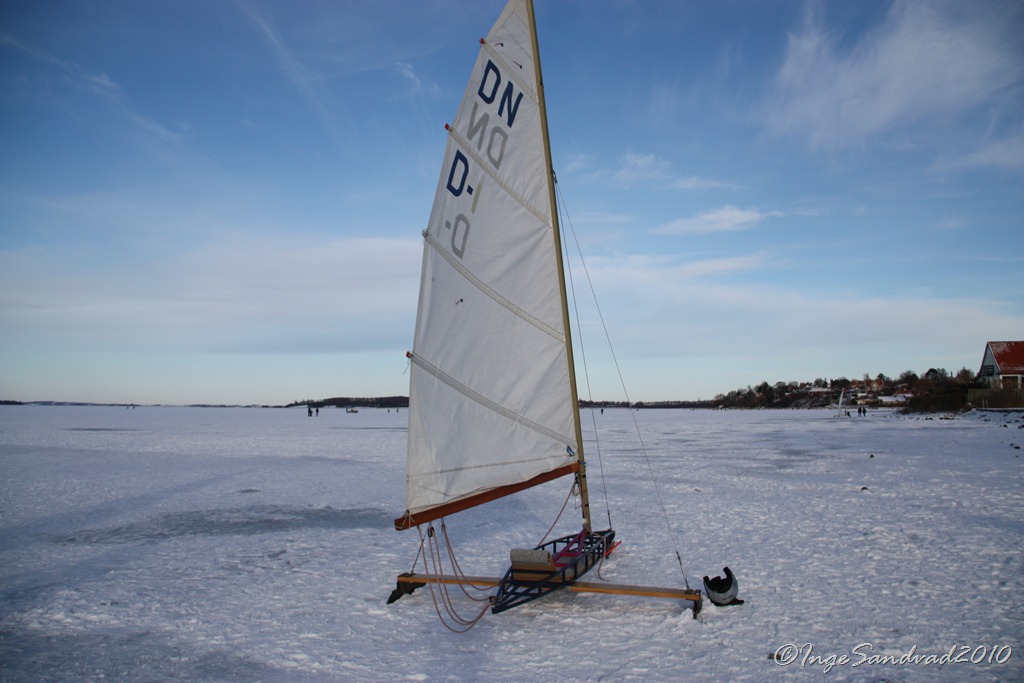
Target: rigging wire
643, 447
583, 350
572, 490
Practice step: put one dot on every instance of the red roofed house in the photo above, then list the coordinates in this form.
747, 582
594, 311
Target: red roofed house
1003, 365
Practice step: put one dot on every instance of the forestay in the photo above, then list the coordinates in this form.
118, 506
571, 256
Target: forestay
490, 390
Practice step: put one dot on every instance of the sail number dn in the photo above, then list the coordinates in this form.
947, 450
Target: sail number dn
489, 140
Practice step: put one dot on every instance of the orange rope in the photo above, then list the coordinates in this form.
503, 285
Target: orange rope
461, 574
439, 592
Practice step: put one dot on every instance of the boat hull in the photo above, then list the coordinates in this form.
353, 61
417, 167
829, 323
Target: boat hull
573, 556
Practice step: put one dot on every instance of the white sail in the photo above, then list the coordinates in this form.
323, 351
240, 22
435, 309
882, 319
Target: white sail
490, 391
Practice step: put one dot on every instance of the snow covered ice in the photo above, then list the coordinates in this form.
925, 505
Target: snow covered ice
245, 544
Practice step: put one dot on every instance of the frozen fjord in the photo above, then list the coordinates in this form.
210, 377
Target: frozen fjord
224, 544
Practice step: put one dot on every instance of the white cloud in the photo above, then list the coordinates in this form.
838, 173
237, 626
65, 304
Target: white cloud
97, 84
695, 183
926, 61
724, 219
642, 167
1005, 153
602, 218
652, 170
253, 295
662, 276
679, 320
416, 86
307, 82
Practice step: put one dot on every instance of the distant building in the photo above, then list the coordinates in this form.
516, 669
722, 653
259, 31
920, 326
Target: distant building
1003, 365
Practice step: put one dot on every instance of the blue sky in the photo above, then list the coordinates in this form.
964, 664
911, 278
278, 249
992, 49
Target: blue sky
223, 201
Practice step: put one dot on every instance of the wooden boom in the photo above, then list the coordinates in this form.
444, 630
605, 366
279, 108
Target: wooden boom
409, 520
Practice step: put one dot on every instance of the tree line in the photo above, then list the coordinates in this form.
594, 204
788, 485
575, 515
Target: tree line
937, 389
354, 402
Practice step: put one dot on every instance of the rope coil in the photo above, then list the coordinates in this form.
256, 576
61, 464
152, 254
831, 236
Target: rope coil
439, 592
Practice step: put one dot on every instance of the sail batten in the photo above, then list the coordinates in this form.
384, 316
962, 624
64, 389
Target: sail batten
512, 72
492, 401
491, 405
467, 147
482, 286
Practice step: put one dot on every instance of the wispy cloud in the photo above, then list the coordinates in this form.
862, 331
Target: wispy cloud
642, 168
237, 295
416, 94
416, 85
309, 84
666, 273
650, 169
675, 309
1006, 153
602, 218
97, 84
696, 183
927, 60
727, 218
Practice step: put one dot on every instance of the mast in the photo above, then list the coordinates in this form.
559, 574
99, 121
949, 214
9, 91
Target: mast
581, 473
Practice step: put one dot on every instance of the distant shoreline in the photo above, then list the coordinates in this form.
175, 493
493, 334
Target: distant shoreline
612, 405
383, 402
